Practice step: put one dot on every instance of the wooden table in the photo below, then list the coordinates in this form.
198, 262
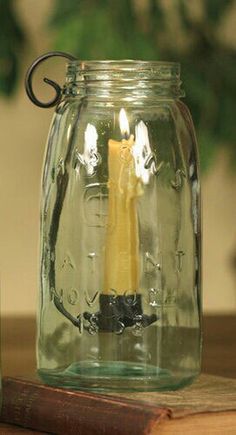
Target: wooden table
18, 350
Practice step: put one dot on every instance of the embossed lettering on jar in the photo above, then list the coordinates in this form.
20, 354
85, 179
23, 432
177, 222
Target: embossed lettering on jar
120, 232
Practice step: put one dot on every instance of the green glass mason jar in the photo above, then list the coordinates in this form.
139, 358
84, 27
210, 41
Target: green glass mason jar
120, 305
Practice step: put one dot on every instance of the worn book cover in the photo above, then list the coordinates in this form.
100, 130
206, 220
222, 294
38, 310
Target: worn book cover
207, 406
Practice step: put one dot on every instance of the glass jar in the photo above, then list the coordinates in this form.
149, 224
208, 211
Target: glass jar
120, 301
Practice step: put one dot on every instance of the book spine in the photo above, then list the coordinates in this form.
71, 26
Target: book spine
58, 411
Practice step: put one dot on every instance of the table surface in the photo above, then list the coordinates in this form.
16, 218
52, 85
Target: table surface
18, 351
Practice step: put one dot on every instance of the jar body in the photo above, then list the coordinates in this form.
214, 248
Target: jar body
120, 247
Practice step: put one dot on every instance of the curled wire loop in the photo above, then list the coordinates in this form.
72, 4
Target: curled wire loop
56, 86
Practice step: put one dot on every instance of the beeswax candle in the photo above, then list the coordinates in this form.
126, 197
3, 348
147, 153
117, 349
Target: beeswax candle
122, 244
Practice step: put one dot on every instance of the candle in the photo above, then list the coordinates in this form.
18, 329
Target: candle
122, 242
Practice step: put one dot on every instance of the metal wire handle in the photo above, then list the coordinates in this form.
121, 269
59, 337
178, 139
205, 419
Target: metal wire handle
29, 79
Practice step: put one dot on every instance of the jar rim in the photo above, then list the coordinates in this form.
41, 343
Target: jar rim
125, 69
122, 63
127, 75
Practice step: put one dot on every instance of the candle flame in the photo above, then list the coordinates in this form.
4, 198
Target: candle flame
124, 123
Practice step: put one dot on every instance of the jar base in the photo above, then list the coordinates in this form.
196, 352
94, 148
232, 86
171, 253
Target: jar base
115, 376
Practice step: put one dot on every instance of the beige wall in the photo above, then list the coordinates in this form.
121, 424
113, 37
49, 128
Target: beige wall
23, 130
219, 238
23, 134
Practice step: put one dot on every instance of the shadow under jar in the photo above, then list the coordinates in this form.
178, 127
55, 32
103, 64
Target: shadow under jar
120, 232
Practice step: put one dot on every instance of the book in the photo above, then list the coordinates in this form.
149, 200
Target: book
10, 429
207, 406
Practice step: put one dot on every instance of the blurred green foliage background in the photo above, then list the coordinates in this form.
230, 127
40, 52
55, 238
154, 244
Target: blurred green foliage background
143, 29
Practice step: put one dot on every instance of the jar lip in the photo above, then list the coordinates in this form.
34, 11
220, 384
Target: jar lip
125, 69
122, 64
127, 74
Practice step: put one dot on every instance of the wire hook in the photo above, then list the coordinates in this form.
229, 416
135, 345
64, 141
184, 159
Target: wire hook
29, 79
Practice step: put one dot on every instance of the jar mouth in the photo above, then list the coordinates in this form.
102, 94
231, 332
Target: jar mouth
126, 68
123, 63
126, 78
